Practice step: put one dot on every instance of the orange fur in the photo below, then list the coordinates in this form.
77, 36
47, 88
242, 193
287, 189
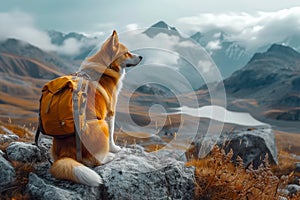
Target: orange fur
63, 169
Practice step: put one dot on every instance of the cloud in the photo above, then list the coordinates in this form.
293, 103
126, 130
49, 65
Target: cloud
253, 30
131, 27
21, 26
213, 45
70, 46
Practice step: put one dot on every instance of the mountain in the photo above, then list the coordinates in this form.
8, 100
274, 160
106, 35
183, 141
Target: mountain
161, 27
272, 79
23, 71
228, 55
85, 44
26, 50
59, 38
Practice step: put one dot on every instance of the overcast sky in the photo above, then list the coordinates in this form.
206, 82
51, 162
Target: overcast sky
98, 15
243, 19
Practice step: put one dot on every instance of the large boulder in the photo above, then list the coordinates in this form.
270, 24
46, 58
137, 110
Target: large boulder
251, 145
133, 174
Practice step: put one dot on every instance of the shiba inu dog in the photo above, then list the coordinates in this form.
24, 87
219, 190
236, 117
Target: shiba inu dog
106, 68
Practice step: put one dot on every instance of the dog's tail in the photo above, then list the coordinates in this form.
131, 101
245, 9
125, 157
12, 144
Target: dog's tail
70, 169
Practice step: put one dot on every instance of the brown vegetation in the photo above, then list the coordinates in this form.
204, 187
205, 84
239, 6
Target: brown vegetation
16, 190
218, 178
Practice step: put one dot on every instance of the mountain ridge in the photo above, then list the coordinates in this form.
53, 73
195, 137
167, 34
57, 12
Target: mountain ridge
272, 78
24, 49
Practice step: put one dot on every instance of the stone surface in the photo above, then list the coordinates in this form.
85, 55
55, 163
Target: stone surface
293, 189
7, 173
53, 189
133, 174
24, 152
8, 138
251, 145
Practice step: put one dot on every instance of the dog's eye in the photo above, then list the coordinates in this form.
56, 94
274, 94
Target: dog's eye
127, 54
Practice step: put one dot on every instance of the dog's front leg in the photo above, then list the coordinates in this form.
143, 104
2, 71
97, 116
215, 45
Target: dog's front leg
112, 146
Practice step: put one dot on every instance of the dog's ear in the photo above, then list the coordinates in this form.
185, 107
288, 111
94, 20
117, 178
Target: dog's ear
114, 34
115, 39
110, 50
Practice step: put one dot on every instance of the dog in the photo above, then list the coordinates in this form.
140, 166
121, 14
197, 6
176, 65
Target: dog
107, 68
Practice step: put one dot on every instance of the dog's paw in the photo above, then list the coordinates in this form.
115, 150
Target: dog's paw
109, 157
114, 148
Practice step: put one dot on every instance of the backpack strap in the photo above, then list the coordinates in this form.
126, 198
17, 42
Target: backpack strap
38, 132
37, 135
39, 126
79, 108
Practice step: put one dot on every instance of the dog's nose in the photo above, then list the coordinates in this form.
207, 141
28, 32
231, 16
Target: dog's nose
140, 57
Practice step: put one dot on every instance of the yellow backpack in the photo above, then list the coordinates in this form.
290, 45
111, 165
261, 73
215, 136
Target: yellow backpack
58, 116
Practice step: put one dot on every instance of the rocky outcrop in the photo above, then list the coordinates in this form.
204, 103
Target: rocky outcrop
7, 173
251, 145
24, 152
133, 174
49, 188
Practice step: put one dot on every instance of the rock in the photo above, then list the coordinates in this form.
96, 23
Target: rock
40, 189
293, 189
24, 152
133, 174
251, 145
173, 153
8, 138
7, 173
46, 142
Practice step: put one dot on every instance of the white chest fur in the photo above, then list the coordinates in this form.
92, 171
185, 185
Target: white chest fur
120, 83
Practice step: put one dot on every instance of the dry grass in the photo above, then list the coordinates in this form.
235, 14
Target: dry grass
218, 178
16, 190
24, 133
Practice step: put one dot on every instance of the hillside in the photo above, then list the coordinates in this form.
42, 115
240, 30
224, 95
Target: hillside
272, 80
23, 71
26, 50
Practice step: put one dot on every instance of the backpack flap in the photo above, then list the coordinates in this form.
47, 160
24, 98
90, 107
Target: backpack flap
60, 83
